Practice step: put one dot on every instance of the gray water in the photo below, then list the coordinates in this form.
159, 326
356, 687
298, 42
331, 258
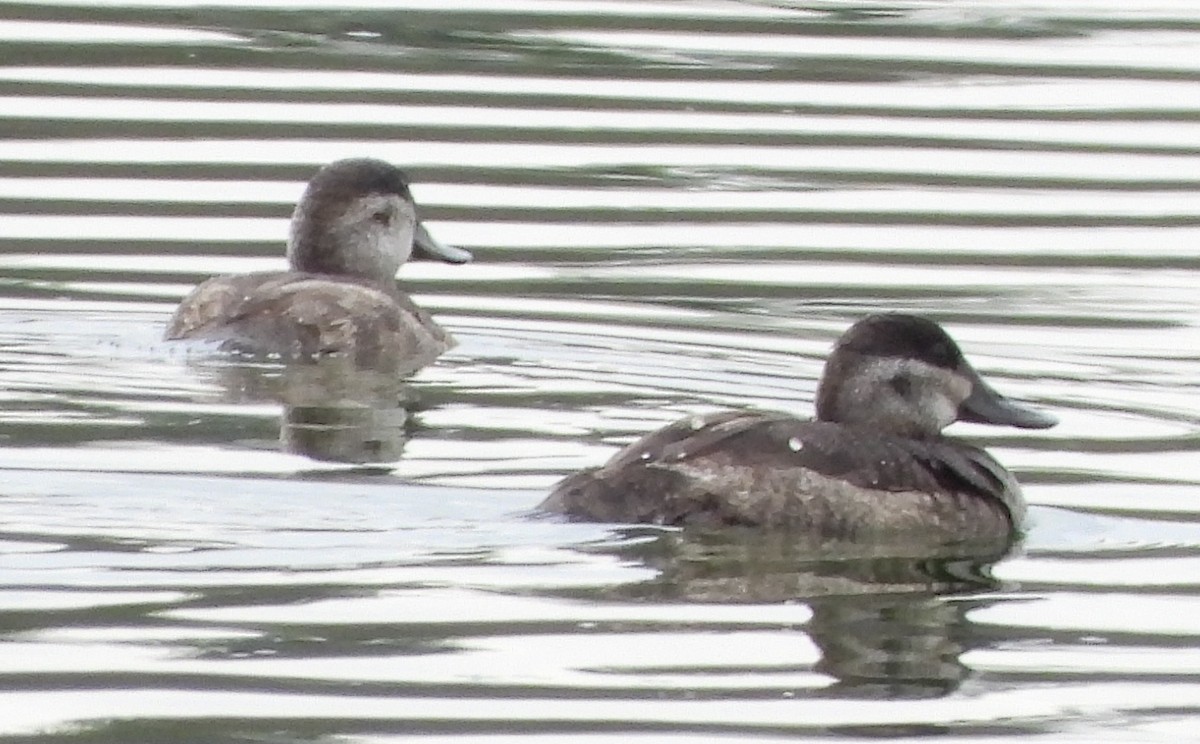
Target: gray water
675, 207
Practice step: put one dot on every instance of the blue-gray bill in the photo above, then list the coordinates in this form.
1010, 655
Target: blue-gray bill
428, 247
986, 406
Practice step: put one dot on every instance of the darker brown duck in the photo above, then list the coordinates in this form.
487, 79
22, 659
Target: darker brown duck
355, 225
873, 464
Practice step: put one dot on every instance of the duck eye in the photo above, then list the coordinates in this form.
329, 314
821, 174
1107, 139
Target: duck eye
902, 384
383, 217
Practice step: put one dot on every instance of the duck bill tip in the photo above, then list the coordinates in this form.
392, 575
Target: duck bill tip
427, 247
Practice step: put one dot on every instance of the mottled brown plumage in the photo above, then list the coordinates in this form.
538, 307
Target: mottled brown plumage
351, 231
873, 466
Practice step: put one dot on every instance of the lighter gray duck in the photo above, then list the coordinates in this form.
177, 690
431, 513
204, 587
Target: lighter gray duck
873, 464
353, 228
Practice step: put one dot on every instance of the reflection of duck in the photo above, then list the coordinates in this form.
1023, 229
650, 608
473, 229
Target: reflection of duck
879, 615
872, 466
351, 231
749, 564
891, 647
333, 409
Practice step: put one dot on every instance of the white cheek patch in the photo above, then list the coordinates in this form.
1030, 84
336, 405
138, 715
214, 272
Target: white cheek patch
942, 392
378, 247
399, 235
926, 404
930, 402
405, 215
941, 411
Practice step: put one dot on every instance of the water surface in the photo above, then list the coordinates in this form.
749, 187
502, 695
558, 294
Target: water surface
675, 207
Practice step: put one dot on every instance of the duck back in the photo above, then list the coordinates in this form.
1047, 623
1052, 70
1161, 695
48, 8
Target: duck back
305, 315
771, 470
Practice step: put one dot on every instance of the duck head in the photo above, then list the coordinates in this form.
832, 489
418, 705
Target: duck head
358, 218
903, 375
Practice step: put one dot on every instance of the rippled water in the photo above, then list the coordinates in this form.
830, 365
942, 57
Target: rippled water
675, 207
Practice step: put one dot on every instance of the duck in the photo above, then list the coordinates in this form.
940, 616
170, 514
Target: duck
352, 229
873, 465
